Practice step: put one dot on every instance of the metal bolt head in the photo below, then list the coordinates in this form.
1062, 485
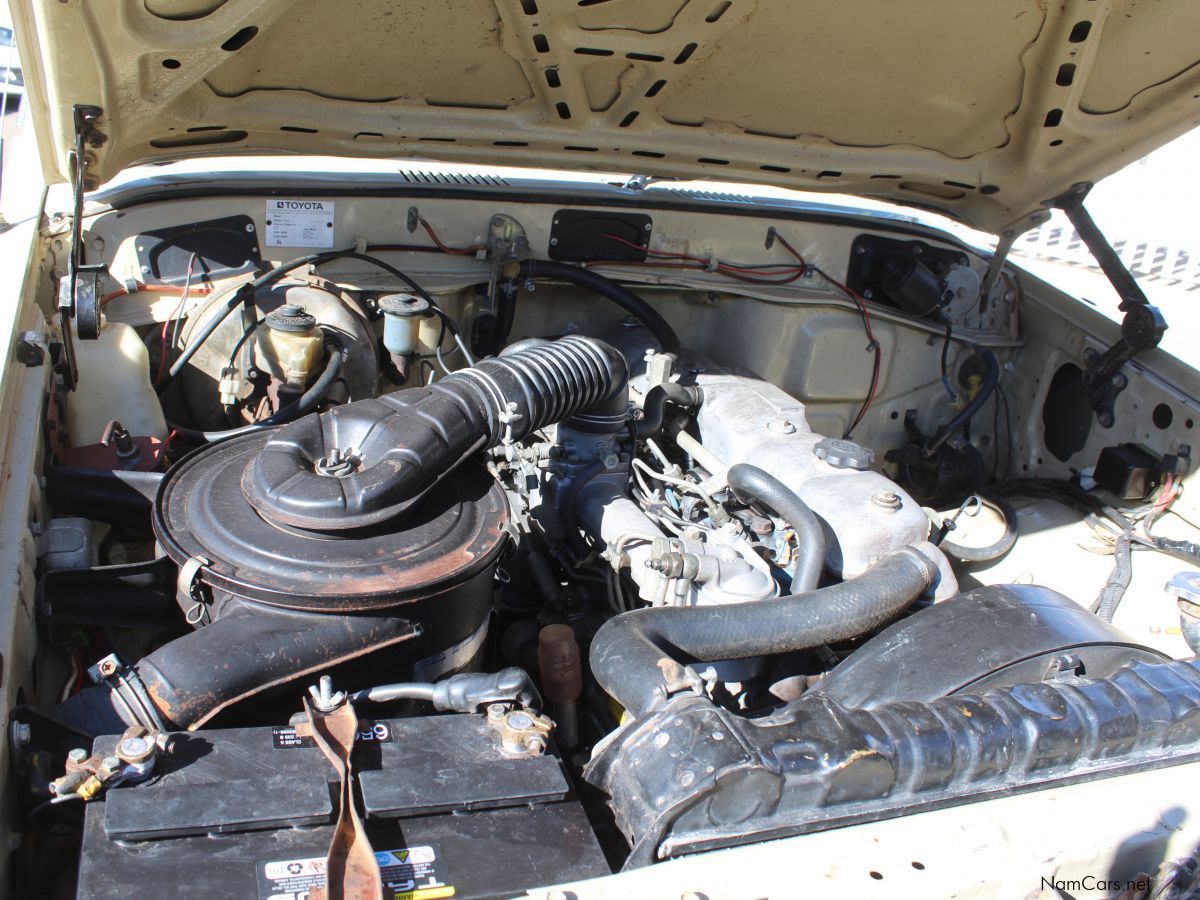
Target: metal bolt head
112, 763
520, 720
535, 744
495, 711
145, 270
135, 749
250, 227
781, 426
77, 755
20, 734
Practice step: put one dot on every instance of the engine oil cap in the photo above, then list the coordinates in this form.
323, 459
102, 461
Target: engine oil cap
842, 454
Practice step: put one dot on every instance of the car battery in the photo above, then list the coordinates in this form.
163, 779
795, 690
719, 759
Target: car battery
250, 812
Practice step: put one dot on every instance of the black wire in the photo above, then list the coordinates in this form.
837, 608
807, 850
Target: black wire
945, 361
50, 804
420, 292
246, 335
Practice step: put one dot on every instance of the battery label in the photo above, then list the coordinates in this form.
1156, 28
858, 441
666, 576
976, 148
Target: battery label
287, 737
409, 873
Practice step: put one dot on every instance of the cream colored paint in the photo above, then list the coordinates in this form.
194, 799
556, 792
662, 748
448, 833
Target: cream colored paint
867, 97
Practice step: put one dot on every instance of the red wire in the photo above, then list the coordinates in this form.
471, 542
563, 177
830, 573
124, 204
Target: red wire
151, 289
457, 251
1168, 495
187, 285
745, 273
872, 345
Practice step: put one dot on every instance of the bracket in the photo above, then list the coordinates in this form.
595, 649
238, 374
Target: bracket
1141, 329
79, 297
507, 244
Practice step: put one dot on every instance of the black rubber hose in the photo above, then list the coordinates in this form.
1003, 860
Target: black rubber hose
241, 295
750, 484
653, 407
637, 656
991, 378
242, 653
606, 287
405, 442
338, 352
992, 501
1000, 546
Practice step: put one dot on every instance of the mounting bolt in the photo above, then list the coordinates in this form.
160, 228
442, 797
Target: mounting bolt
781, 426
21, 735
323, 696
888, 500
250, 227
535, 744
78, 755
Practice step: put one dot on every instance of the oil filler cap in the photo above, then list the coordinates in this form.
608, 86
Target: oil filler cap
843, 454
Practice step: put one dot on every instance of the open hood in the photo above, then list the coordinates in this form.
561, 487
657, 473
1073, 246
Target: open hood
981, 109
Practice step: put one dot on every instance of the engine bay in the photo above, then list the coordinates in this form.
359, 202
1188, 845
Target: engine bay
385, 531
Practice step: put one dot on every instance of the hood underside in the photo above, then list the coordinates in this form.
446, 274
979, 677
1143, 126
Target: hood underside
981, 109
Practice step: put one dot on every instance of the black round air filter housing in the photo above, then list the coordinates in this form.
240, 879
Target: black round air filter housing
444, 544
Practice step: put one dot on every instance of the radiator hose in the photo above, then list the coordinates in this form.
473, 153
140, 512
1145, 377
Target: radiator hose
752, 483
638, 656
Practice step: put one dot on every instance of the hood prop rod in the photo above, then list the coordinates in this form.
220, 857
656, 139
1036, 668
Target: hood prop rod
1141, 329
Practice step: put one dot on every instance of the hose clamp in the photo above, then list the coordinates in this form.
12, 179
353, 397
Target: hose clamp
506, 410
189, 585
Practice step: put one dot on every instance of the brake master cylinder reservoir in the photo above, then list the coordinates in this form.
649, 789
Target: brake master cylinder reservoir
290, 345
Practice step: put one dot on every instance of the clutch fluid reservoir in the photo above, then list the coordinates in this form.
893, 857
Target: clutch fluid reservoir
290, 345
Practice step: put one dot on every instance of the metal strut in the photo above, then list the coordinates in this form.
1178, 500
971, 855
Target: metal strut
1143, 325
